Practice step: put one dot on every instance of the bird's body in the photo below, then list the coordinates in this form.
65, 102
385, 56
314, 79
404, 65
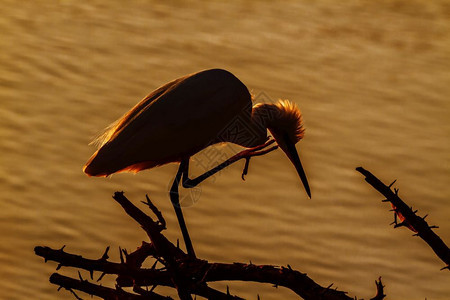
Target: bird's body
176, 121
187, 115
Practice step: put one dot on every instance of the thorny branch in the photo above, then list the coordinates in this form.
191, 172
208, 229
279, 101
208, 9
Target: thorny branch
408, 217
189, 276
100, 291
380, 290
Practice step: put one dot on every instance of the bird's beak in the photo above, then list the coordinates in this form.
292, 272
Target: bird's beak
289, 148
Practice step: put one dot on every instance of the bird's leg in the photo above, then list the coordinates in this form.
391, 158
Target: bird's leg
247, 154
175, 198
245, 171
255, 151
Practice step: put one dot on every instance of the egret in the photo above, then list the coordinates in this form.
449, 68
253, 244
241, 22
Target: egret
188, 114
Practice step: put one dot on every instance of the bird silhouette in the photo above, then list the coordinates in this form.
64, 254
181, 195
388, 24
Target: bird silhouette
188, 114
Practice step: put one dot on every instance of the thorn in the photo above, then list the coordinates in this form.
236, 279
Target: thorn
121, 256
59, 266
424, 217
178, 243
433, 226
91, 272
153, 287
415, 211
154, 265
148, 199
385, 200
74, 294
228, 291
399, 225
258, 297
105, 254
251, 263
446, 267
79, 276
161, 221
125, 252
62, 248
392, 183
101, 276
289, 267
395, 220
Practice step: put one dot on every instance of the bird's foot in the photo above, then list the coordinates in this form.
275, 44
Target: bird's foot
255, 151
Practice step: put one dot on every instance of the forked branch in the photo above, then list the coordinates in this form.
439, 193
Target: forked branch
188, 275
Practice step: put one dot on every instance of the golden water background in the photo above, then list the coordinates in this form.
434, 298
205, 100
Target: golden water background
372, 79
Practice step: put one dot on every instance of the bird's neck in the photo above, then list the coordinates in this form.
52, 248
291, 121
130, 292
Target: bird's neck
261, 118
249, 132
264, 114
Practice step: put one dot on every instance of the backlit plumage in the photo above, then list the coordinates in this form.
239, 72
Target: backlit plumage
189, 114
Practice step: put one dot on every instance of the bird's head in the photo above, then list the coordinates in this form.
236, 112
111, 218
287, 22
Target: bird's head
284, 121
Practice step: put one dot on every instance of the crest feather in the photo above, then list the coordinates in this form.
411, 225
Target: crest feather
290, 119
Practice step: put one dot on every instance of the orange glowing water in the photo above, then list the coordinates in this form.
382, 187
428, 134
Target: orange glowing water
372, 80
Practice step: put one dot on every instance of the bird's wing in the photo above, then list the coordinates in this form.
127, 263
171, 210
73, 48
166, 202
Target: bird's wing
112, 130
177, 120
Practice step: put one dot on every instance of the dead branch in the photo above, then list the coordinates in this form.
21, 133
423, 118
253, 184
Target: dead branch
408, 217
380, 290
100, 291
156, 211
127, 273
189, 276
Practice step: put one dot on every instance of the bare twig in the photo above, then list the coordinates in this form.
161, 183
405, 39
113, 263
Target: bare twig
380, 290
164, 249
100, 291
156, 211
409, 218
125, 272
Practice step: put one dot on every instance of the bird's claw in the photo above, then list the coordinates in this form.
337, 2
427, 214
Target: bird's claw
255, 151
268, 143
245, 171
